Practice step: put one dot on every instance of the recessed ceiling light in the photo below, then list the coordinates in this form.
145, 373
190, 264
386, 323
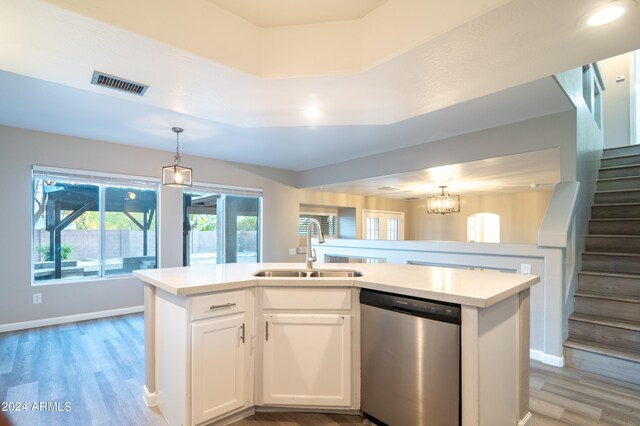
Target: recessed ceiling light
606, 13
534, 185
314, 112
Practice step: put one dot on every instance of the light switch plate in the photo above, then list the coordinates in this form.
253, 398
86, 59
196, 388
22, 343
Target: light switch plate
293, 252
525, 268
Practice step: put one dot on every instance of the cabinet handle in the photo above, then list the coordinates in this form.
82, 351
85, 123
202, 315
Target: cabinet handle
267, 330
242, 337
226, 305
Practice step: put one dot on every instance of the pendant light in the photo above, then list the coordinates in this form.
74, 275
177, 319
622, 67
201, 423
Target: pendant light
443, 203
176, 174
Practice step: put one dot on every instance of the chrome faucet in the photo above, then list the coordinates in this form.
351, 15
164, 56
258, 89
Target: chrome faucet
311, 252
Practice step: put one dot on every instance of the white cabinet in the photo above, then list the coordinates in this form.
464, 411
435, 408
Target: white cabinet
307, 360
204, 362
307, 347
218, 366
221, 373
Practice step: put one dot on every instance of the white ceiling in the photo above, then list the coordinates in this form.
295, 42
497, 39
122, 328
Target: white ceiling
491, 70
280, 13
512, 173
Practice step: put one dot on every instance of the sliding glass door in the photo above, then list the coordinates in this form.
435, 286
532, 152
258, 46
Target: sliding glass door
220, 228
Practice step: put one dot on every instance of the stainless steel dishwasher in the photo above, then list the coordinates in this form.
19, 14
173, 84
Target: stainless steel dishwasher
410, 360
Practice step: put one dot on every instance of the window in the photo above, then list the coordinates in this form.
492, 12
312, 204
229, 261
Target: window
221, 227
392, 229
382, 225
483, 228
373, 228
92, 225
327, 224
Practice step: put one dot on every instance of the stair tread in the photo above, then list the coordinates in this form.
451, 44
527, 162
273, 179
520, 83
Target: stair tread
607, 296
606, 321
611, 219
617, 178
620, 156
632, 236
605, 253
610, 274
608, 191
635, 203
620, 166
603, 349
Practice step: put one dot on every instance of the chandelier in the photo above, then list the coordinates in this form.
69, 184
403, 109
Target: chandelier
176, 174
443, 203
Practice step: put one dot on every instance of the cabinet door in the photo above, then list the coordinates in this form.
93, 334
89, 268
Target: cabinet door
307, 359
217, 367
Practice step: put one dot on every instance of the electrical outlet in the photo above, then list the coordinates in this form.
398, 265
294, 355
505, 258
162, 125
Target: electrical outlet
37, 298
293, 252
525, 268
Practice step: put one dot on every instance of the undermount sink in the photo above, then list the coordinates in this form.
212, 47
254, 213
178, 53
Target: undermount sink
308, 273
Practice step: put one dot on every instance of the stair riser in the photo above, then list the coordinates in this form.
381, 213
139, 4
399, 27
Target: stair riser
607, 308
617, 197
622, 150
632, 170
614, 227
615, 212
609, 285
619, 264
618, 337
603, 365
623, 183
613, 244
622, 161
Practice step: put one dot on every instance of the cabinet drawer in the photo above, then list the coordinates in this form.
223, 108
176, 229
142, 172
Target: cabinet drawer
218, 304
315, 298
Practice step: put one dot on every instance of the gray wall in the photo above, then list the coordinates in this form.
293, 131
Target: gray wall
20, 149
551, 131
589, 142
617, 100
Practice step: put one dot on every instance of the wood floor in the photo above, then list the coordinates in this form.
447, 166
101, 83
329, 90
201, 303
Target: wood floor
97, 368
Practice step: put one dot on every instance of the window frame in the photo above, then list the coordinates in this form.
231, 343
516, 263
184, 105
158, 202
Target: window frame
223, 191
102, 180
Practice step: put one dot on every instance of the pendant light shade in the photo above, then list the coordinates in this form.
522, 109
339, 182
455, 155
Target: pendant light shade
176, 174
443, 203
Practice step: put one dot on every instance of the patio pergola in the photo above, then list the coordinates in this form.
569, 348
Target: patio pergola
79, 199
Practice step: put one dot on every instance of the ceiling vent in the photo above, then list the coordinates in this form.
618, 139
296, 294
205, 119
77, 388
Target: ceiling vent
389, 188
117, 83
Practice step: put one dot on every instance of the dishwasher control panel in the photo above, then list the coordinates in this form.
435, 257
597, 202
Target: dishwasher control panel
425, 308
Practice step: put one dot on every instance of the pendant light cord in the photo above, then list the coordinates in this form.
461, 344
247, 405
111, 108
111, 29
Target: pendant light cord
177, 158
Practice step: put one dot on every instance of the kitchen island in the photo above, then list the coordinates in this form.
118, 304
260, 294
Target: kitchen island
221, 342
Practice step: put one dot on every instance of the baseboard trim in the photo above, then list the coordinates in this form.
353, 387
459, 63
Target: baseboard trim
526, 420
69, 318
556, 361
150, 399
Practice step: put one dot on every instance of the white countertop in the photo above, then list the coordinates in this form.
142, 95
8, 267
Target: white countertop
465, 287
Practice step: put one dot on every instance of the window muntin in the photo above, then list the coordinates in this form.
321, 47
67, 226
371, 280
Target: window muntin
89, 227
